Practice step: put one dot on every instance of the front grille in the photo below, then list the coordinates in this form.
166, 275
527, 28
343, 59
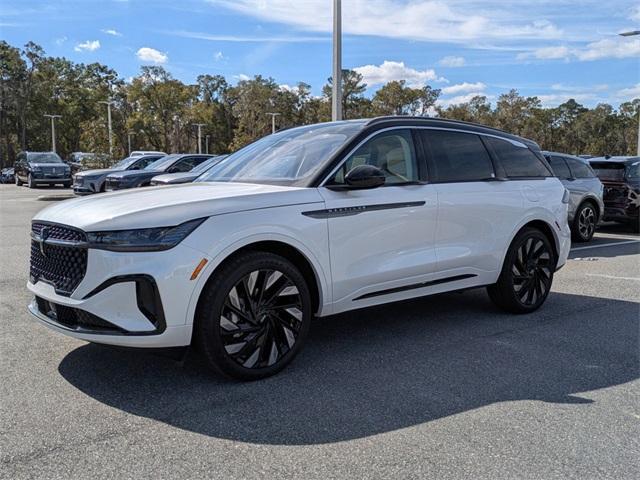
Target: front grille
74, 317
62, 266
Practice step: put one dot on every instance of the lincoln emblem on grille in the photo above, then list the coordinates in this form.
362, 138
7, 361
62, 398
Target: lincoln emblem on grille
44, 234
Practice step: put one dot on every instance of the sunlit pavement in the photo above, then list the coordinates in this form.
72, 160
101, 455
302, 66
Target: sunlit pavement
441, 387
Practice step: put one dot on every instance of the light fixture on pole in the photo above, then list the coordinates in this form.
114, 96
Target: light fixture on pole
336, 90
53, 130
206, 144
273, 120
631, 34
108, 103
129, 135
199, 125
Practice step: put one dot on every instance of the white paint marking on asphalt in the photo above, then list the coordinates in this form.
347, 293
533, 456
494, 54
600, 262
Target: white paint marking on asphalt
605, 245
612, 276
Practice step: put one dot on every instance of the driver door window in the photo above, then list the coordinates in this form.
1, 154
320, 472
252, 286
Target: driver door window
392, 152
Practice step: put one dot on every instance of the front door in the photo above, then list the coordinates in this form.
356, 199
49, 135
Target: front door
381, 240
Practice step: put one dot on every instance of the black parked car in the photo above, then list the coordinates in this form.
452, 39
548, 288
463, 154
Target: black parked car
93, 181
621, 179
7, 175
41, 168
175, 163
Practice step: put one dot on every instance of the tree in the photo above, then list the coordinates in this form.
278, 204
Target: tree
354, 105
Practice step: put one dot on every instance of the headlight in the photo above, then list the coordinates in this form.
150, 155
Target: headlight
143, 239
36, 169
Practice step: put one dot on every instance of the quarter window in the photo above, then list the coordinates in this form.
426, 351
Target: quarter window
456, 156
579, 169
559, 167
392, 152
517, 161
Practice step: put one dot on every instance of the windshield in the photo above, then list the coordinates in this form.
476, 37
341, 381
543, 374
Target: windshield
124, 163
290, 157
44, 158
633, 171
162, 163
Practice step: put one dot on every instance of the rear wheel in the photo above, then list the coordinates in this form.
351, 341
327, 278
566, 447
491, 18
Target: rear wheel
584, 223
254, 316
527, 273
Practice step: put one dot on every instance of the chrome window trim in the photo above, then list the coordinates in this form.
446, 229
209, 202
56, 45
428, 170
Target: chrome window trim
412, 127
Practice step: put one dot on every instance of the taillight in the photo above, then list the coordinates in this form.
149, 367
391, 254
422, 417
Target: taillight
566, 197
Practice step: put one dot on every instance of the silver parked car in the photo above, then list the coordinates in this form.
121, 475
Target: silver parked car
186, 177
586, 207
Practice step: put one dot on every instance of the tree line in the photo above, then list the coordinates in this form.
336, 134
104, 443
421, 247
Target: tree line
156, 111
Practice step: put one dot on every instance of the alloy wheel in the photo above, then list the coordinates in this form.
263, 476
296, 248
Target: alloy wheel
586, 222
261, 318
532, 271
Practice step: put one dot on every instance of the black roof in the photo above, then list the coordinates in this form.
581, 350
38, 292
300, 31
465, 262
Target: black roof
448, 123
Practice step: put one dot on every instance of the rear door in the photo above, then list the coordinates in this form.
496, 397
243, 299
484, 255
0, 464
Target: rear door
476, 210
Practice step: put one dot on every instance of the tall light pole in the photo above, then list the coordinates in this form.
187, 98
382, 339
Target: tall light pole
108, 103
199, 125
206, 144
53, 130
129, 135
336, 91
631, 34
273, 121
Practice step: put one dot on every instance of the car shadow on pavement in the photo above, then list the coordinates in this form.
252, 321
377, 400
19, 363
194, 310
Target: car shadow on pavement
382, 369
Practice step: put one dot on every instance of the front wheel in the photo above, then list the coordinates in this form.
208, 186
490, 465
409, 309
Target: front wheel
584, 223
30, 182
18, 181
253, 316
527, 273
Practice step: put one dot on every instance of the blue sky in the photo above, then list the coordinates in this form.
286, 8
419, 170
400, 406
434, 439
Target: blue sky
555, 49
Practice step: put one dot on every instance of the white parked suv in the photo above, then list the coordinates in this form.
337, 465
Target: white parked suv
307, 222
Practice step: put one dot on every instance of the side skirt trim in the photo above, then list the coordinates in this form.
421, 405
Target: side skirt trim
414, 286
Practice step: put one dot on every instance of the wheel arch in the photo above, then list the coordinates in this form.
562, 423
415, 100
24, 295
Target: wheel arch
279, 247
541, 225
593, 201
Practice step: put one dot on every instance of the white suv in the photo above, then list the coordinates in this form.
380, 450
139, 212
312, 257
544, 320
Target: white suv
307, 222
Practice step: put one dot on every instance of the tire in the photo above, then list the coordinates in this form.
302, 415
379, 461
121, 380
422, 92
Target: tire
30, 182
584, 222
66, 184
528, 267
18, 182
230, 331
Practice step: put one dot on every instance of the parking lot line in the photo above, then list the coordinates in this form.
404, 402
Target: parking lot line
636, 279
575, 249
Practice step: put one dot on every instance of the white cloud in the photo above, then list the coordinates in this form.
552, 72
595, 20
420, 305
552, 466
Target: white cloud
388, 71
218, 56
152, 55
451, 61
630, 92
546, 53
247, 38
610, 48
464, 87
111, 31
635, 14
243, 77
89, 45
555, 99
605, 48
433, 20
61, 40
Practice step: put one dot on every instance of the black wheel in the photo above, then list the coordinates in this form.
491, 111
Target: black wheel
253, 316
584, 223
18, 182
66, 185
527, 273
30, 182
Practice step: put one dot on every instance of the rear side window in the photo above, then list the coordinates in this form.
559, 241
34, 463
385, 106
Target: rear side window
517, 161
559, 167
456, 156
579, 169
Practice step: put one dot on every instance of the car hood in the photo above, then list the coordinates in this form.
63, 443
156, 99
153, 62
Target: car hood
95, 173
175, 177
130, 174
171, 205
49, 165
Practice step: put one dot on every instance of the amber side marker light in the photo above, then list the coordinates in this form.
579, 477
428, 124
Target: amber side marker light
199, 268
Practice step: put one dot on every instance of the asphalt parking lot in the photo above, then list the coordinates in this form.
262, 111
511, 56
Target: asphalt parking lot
441, 387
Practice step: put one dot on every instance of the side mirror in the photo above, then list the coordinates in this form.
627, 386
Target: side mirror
365, 176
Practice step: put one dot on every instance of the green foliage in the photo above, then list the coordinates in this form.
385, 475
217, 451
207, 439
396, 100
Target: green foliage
158, 111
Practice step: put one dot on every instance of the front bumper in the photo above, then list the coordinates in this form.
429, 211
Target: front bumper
50, 181
115, 302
